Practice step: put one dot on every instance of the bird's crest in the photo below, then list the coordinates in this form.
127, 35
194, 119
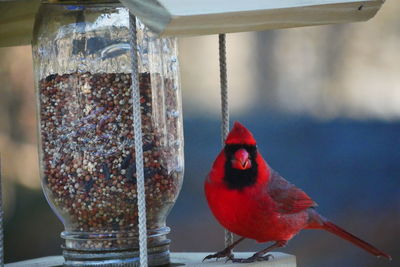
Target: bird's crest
240, 135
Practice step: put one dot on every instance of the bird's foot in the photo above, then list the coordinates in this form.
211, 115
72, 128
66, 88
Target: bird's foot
253, 258
226, 253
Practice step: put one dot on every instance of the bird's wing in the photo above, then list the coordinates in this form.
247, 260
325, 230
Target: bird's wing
288, 197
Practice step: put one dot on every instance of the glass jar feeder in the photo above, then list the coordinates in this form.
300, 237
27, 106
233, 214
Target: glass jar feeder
83, 69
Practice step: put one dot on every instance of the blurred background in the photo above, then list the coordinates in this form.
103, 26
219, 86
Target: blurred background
323, 103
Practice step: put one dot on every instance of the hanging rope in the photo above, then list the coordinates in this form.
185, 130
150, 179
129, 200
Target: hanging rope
224, 107
137, 128
224, 88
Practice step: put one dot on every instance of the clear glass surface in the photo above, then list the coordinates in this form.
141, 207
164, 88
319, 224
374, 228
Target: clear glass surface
83, 71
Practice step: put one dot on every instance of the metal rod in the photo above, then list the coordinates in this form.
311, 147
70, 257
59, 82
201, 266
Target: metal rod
1, 223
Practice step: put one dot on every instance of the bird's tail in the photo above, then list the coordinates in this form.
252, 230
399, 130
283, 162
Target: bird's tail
321, 223
334, 229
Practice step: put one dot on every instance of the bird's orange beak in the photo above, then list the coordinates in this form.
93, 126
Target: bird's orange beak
241, 160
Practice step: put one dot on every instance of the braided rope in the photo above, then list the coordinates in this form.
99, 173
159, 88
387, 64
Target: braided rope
137, 128
224, 107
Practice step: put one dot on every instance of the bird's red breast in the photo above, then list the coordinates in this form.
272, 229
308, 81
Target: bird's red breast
251, 211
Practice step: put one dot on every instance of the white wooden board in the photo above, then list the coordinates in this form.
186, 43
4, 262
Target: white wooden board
193, 17
190, 259
199, 17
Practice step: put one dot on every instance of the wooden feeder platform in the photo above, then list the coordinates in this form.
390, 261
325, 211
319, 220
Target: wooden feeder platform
187, 259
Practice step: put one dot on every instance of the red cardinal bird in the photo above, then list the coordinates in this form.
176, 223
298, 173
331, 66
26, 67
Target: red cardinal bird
253, 201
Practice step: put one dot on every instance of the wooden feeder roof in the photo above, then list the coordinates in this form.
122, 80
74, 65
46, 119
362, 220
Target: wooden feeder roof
199, 17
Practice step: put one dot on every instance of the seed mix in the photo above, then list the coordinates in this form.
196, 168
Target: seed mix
88, 155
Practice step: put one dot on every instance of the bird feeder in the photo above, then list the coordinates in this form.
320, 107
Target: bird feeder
94, 64
83, 72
